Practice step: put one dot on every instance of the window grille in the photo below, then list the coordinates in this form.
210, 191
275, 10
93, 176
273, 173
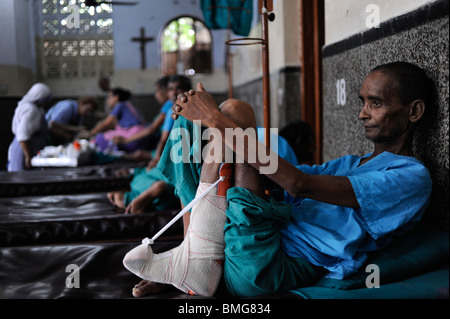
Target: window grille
81, 51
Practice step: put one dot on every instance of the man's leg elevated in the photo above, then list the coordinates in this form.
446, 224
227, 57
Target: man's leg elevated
196, 265
255, 263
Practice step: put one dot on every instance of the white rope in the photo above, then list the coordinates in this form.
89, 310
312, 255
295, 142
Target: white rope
149, 241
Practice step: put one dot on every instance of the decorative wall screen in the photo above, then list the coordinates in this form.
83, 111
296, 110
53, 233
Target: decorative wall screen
83, 51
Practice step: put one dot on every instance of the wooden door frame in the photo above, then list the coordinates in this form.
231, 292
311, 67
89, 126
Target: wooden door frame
312, 38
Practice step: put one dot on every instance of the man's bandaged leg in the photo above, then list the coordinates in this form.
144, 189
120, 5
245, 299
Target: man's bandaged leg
192, 266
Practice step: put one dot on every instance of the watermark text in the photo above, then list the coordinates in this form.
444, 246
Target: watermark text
235, 146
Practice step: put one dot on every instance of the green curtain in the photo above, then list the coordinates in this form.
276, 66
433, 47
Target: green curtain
215, 13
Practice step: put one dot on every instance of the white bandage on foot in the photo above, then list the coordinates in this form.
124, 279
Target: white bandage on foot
192, 266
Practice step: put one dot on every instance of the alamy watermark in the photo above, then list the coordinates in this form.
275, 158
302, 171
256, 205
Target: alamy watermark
73, 280
188, 149
373, 279
73, 19
373, 19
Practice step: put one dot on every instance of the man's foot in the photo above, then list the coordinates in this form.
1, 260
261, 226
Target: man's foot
191, 267
145, 287
122, 172
110, 196
117, 199
138, 205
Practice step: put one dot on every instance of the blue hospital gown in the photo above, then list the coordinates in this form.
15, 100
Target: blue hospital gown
64, 112
168, 120
393, 191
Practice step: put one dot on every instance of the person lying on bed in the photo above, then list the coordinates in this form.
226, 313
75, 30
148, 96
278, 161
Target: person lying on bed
332, 215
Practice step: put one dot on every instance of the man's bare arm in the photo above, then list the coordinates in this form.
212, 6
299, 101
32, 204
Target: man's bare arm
108, 123
26, 149
335, 190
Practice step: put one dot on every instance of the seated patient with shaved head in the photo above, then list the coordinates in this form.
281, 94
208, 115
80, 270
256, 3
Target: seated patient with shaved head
332, 214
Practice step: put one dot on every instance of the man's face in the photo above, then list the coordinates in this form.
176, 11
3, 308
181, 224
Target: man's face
174, 88
112, 99
384, 116
161, 94
85, 109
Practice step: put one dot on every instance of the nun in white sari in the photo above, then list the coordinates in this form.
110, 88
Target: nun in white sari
29, 128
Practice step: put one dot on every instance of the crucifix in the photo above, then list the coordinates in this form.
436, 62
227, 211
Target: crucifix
143, 40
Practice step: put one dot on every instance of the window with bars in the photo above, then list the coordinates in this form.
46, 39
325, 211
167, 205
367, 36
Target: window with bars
185, 45
83, 51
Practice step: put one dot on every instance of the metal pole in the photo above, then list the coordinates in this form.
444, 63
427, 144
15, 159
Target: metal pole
266, 74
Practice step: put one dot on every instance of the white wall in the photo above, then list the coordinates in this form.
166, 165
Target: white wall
344, 18
16, 33
284, 44
8, 50
153, 15
17, 52
17, 58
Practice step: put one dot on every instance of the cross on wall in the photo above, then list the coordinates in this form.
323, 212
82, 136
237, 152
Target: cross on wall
143, 41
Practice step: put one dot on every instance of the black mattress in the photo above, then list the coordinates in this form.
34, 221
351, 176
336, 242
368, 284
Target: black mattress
40, 272
31, 220
94, 178
54, 218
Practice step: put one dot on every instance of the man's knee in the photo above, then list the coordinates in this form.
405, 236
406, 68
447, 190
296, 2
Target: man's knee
240, 112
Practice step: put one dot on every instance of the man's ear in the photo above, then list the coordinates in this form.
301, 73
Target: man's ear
416, 110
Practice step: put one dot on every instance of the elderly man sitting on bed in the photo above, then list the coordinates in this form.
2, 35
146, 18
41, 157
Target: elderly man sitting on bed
332, 214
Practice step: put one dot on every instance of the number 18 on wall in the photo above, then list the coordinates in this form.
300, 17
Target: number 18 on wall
341, 94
